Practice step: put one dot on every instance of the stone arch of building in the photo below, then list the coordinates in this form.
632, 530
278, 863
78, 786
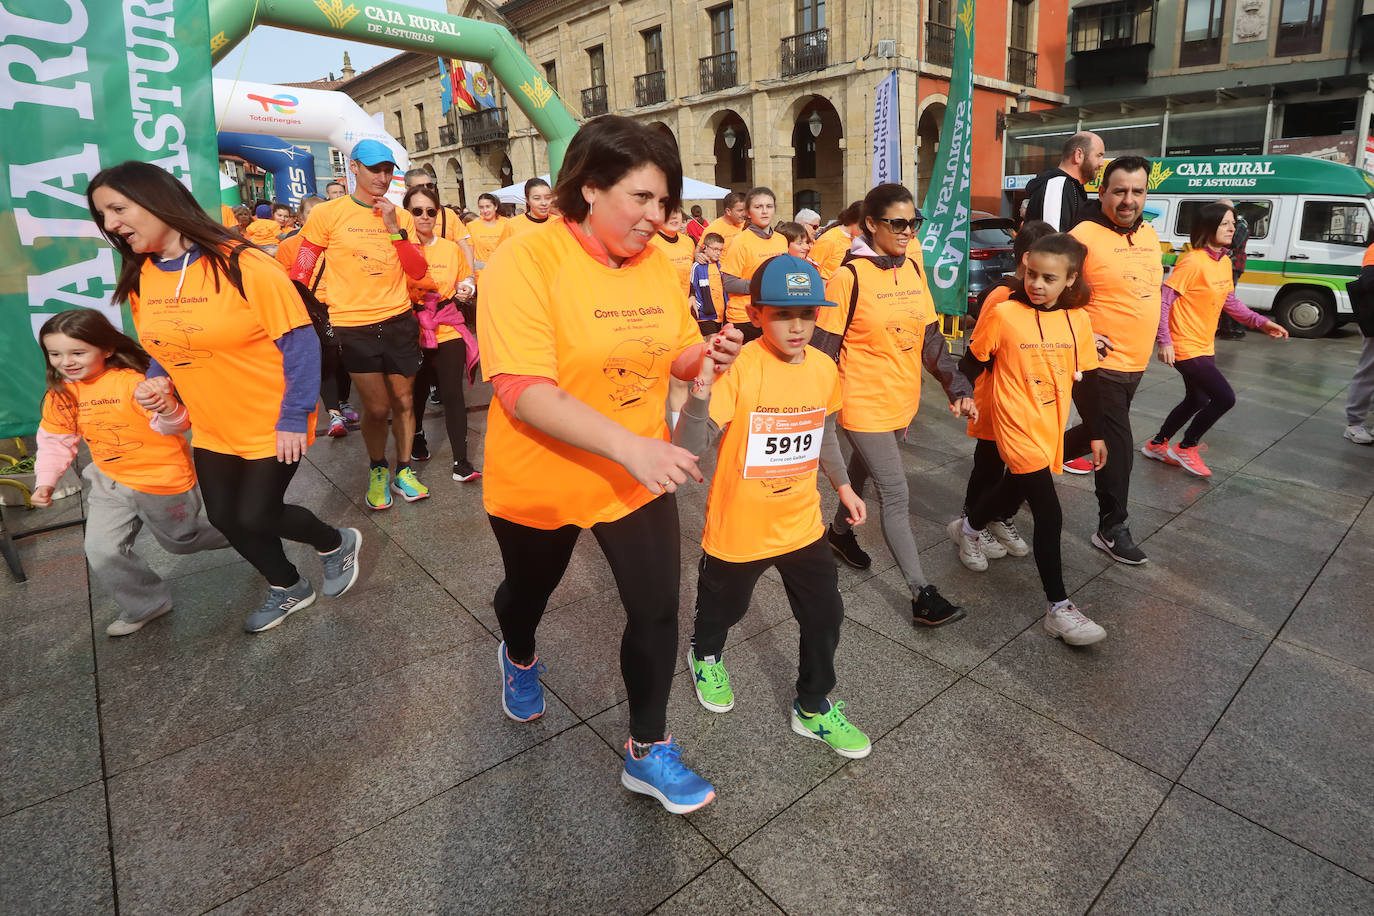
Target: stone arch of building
665, 130
455, 178
930, 118
815, 128
731, 143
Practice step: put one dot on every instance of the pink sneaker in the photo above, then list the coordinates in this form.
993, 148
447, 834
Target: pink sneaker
1082, 465
1190, 459
1158, 451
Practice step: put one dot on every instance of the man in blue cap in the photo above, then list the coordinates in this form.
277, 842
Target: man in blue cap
774, 412
364, 241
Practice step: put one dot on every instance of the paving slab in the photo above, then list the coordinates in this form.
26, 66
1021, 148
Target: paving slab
211, 822
55, 858
46, 647
1293, 514
582, 843
721, 889
1150, 691
49, 743
1197, 857
750, 754
55, 564
1334, 617
1294, 752
975, 805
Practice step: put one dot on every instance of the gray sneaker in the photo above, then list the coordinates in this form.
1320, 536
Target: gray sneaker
341, 564
127, 623
280, 604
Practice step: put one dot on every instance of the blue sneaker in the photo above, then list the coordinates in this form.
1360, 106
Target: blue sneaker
280, 604
341, 564
662, 775
522, 696
406, 485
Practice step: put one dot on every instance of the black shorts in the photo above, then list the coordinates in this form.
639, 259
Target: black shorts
391, 347
708, 327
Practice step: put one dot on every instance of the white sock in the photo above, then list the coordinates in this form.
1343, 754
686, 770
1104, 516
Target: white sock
969, 530
1059, 605
672, 419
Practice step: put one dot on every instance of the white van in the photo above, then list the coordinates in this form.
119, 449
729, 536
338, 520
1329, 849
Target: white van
1309, 227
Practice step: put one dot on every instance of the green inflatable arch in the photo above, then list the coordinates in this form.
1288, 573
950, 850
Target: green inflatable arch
406, 28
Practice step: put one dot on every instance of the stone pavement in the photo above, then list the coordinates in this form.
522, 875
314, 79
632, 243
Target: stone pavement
1215, 754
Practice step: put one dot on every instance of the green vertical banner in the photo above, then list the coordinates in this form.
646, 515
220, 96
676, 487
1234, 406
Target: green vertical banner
949, 197
86, 84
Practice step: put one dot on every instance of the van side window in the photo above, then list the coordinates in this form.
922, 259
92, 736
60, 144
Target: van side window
1256, 212
1334, 223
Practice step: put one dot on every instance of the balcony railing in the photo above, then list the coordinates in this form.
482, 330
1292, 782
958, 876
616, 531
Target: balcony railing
448, 135
718, 71
805, 52
484, 126
421, 141
940, 44
650, 88
1021, 66
594, 101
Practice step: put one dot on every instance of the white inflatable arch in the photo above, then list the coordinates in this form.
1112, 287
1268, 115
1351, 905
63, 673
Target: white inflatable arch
293, 113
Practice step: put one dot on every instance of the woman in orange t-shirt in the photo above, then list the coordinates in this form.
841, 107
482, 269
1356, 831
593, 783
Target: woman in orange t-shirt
1193, 297
1039, 346
448, 346
581, 325
224, 322
883, 333
486, 231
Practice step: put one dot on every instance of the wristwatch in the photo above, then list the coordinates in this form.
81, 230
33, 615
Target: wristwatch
399, 235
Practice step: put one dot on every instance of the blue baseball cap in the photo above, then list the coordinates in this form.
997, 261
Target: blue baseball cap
372, 152
787, 281
263, 211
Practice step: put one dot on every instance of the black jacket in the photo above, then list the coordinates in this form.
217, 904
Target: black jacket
1058, 198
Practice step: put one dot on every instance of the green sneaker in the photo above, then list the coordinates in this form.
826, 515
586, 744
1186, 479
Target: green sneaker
712, 684
834, 729
378, 496
408, 486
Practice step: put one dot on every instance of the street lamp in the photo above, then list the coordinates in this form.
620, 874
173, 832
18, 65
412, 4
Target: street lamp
729, 137
814, 123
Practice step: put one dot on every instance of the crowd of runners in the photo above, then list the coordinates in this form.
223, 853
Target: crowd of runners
623, 338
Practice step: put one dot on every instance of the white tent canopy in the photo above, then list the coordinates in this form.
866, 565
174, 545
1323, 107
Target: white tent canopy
691, 190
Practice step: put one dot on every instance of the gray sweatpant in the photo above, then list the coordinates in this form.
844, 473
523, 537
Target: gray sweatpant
879, 456
115, 516
1361, 399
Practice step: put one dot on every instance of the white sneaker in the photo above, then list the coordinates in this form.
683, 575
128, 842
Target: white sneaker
1006, 534
1359, 435
125, 624
992, 548
1069, 624
970, 548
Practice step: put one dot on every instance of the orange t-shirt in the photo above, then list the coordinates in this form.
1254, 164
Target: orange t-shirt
880, 361
447, 265
122, 443
1036, 354
830, 249
485, 237
724, 228
606, 336
518, 225
455, 230
227, 217
1202, 284
681, 251
287, 249
742, 257
219, 348
367, 284
1368, 257
763, 501
1125, 277
981, 428
262, 232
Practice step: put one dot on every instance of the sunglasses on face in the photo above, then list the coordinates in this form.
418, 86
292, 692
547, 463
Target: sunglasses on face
900, 225
424, 211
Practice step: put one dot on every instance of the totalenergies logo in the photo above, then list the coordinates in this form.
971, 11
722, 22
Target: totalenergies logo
281, 104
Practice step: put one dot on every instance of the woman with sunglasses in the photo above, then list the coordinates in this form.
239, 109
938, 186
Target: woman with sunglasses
448, 346
883, 332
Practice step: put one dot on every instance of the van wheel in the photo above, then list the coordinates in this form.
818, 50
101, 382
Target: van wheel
1306, 312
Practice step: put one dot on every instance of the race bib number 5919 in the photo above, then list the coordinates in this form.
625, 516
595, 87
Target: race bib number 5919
783, 445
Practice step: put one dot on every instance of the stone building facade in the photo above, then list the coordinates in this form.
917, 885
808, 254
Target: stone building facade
752, 93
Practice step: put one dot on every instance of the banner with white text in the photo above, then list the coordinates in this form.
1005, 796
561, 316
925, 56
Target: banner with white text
86, 84
887, 133
949, 197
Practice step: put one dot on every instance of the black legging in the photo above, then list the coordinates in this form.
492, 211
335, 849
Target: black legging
244, 500
1037, 488
644, 551
988, 471
445, 367
1206, 397
335, 384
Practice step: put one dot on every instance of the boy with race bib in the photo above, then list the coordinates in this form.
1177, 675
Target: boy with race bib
774, 412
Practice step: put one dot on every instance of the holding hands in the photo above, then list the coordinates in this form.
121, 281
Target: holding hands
155, 394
